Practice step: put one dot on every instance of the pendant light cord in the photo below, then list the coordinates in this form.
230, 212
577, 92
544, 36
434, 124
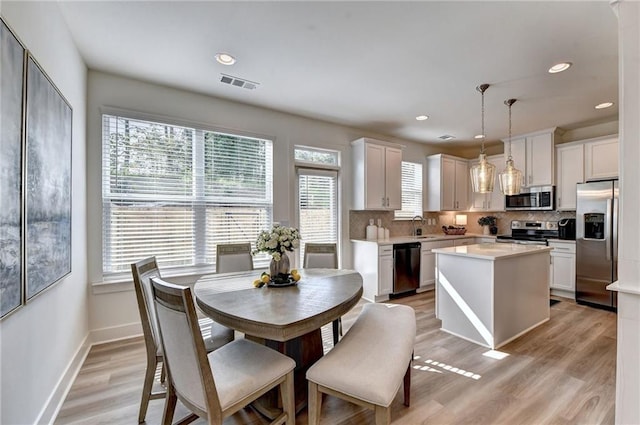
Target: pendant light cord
482, 88
509, 102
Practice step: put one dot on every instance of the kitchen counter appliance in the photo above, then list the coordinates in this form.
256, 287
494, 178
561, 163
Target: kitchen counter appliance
530, 232
597, 243
567, 229
406, 267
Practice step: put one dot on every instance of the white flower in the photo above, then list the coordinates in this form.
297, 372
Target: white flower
278, 240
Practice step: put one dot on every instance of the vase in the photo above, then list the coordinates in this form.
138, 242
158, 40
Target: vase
485, 230
280, 267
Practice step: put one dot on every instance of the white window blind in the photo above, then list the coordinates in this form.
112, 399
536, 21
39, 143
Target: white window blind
317, 206
175, 192
317, 171
411, 190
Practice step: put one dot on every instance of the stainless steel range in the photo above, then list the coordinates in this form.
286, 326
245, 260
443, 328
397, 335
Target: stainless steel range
530, 232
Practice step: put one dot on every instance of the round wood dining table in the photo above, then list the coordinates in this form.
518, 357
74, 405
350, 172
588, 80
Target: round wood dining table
287, 319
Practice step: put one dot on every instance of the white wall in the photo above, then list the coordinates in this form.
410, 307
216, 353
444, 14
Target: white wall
628, 286
44, 339
286, 130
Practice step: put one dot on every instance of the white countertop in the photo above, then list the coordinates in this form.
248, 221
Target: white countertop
492, 251
423, 238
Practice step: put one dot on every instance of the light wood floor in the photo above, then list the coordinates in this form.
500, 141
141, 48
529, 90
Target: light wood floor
562, 372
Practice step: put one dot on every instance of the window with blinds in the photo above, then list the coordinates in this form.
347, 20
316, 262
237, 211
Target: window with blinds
176, 192
411, 190
317, 197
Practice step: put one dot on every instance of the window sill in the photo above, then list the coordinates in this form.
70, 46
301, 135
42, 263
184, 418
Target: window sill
123, 282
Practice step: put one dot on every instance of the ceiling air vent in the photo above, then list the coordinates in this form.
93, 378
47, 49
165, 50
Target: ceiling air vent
238, 82
446, 137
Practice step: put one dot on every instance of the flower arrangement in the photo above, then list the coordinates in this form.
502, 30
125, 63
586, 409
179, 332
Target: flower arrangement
487, 221
278, 240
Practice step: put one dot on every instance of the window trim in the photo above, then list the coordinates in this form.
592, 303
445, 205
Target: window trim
113, 281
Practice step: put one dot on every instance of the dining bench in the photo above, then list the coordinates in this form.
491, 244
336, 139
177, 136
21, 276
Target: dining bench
370, 363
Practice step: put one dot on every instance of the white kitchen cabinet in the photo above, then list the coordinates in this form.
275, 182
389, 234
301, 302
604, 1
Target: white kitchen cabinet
465, 241
375, 264
570, 171
385, 269
428, 263
563, 268
377, 168
493, 201
533, 154
601, 158
447, 183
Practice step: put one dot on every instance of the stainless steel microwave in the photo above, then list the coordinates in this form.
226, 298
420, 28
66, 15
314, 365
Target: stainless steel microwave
540, 198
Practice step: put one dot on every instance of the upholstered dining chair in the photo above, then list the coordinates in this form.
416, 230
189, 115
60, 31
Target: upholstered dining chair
215, 335
233, 257
215, 385
323, 256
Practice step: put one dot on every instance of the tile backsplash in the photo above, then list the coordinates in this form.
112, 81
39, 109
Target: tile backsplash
358, 221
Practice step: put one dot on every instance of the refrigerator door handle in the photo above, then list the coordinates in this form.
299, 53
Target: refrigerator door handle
607, 231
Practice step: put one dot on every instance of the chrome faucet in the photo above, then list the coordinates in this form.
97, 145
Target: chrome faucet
413, 223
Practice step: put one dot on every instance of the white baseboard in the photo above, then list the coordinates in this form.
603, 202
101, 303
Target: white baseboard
115, 333
56, 399
54, 403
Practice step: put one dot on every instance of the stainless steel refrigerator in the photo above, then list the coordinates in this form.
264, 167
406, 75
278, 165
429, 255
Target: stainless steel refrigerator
597, 243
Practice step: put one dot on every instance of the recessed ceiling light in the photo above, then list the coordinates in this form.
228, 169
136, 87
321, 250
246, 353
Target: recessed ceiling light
559, 67
446, 137
604, 105
422, 117
478, 136
225, 58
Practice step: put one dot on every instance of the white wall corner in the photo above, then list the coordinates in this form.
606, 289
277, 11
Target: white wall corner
51, 408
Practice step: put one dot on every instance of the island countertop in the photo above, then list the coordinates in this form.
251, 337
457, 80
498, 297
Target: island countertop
492, 251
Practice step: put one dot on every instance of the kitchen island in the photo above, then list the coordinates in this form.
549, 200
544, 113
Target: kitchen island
492, 293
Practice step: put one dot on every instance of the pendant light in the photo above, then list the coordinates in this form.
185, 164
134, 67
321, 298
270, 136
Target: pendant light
511, 177
483, 173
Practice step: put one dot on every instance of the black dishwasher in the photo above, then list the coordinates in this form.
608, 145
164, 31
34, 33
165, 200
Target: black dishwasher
406, 267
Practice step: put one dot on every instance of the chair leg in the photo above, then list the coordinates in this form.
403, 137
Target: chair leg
337, 325
163, 374
169, 405
147, 387
315, 404
288, 399
407, 383
383, 415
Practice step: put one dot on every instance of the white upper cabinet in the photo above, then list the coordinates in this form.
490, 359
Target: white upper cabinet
570, 171
582, 161
601, 158
533, 154
377, 168
447, 183
493, 201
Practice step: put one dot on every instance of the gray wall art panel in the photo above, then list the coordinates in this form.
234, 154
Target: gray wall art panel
48, 182
11, 92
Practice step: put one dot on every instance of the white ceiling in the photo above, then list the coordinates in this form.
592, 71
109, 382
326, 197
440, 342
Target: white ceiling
371, 64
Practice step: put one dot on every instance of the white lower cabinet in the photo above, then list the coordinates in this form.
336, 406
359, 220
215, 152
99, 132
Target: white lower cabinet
464, 241
375, 264
385, 269
563, 268
428, 263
